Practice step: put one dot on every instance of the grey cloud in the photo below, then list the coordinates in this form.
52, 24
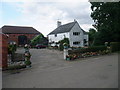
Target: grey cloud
46, 13
81, 11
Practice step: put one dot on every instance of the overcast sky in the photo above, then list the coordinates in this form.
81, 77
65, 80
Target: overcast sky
43, 15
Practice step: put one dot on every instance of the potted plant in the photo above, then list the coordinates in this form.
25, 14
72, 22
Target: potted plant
27, 59
28, 63
65, 45
67, 57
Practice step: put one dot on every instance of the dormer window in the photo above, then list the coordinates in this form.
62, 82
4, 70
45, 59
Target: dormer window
76, 33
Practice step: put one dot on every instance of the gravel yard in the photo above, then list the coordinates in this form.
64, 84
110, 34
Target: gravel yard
50, 70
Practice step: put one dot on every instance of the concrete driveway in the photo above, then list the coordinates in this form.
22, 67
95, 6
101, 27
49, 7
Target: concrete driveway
50, 70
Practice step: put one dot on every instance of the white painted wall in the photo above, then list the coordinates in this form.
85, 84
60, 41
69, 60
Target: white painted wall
78, 38
59, 37
86, 37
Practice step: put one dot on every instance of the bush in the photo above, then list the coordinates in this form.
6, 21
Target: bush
61, 42
115, 46
12, 48
97, 48
89, 49
16, 67
61, 47
28, 62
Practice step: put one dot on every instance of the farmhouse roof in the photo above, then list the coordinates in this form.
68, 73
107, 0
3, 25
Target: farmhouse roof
19, 30
64, 28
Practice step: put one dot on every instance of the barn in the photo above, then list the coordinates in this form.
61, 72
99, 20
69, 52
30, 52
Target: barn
19, 34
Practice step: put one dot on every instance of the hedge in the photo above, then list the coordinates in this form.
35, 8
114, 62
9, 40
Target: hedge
115, 46
89, 49
14, 67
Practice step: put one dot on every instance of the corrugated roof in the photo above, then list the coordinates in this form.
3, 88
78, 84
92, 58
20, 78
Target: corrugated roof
19, 30
63, 28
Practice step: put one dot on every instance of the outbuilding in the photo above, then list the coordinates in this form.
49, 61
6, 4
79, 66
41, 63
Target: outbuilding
19, 34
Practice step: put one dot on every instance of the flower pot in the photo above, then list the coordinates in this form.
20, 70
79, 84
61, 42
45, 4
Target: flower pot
67, 59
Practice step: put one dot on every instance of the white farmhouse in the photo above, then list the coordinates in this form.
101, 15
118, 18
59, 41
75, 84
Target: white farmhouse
76, 35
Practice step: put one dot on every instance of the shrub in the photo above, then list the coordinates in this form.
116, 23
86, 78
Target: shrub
28, 62
89, 49
97, 48
16, 67
61, 47
27, 56
115, 46
61, 42
12, 48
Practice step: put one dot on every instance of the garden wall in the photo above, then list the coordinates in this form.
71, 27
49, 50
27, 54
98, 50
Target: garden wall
3, 50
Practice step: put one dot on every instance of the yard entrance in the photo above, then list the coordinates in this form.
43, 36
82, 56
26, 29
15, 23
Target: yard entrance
22, 40
50, 70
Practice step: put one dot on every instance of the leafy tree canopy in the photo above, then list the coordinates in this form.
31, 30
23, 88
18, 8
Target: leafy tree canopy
92, 33
39, 39
106, 16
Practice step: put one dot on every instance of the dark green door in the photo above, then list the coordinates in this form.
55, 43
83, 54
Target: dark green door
22, 40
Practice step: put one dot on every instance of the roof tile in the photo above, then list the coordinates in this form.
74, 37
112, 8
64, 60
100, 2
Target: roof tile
63, 28
19, 30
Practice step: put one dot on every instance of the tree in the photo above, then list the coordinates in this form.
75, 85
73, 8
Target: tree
106, 16
61, 42
92, 37
39, 39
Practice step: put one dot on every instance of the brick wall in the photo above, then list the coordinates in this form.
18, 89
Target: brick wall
3, 51
0, 50
14, 37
